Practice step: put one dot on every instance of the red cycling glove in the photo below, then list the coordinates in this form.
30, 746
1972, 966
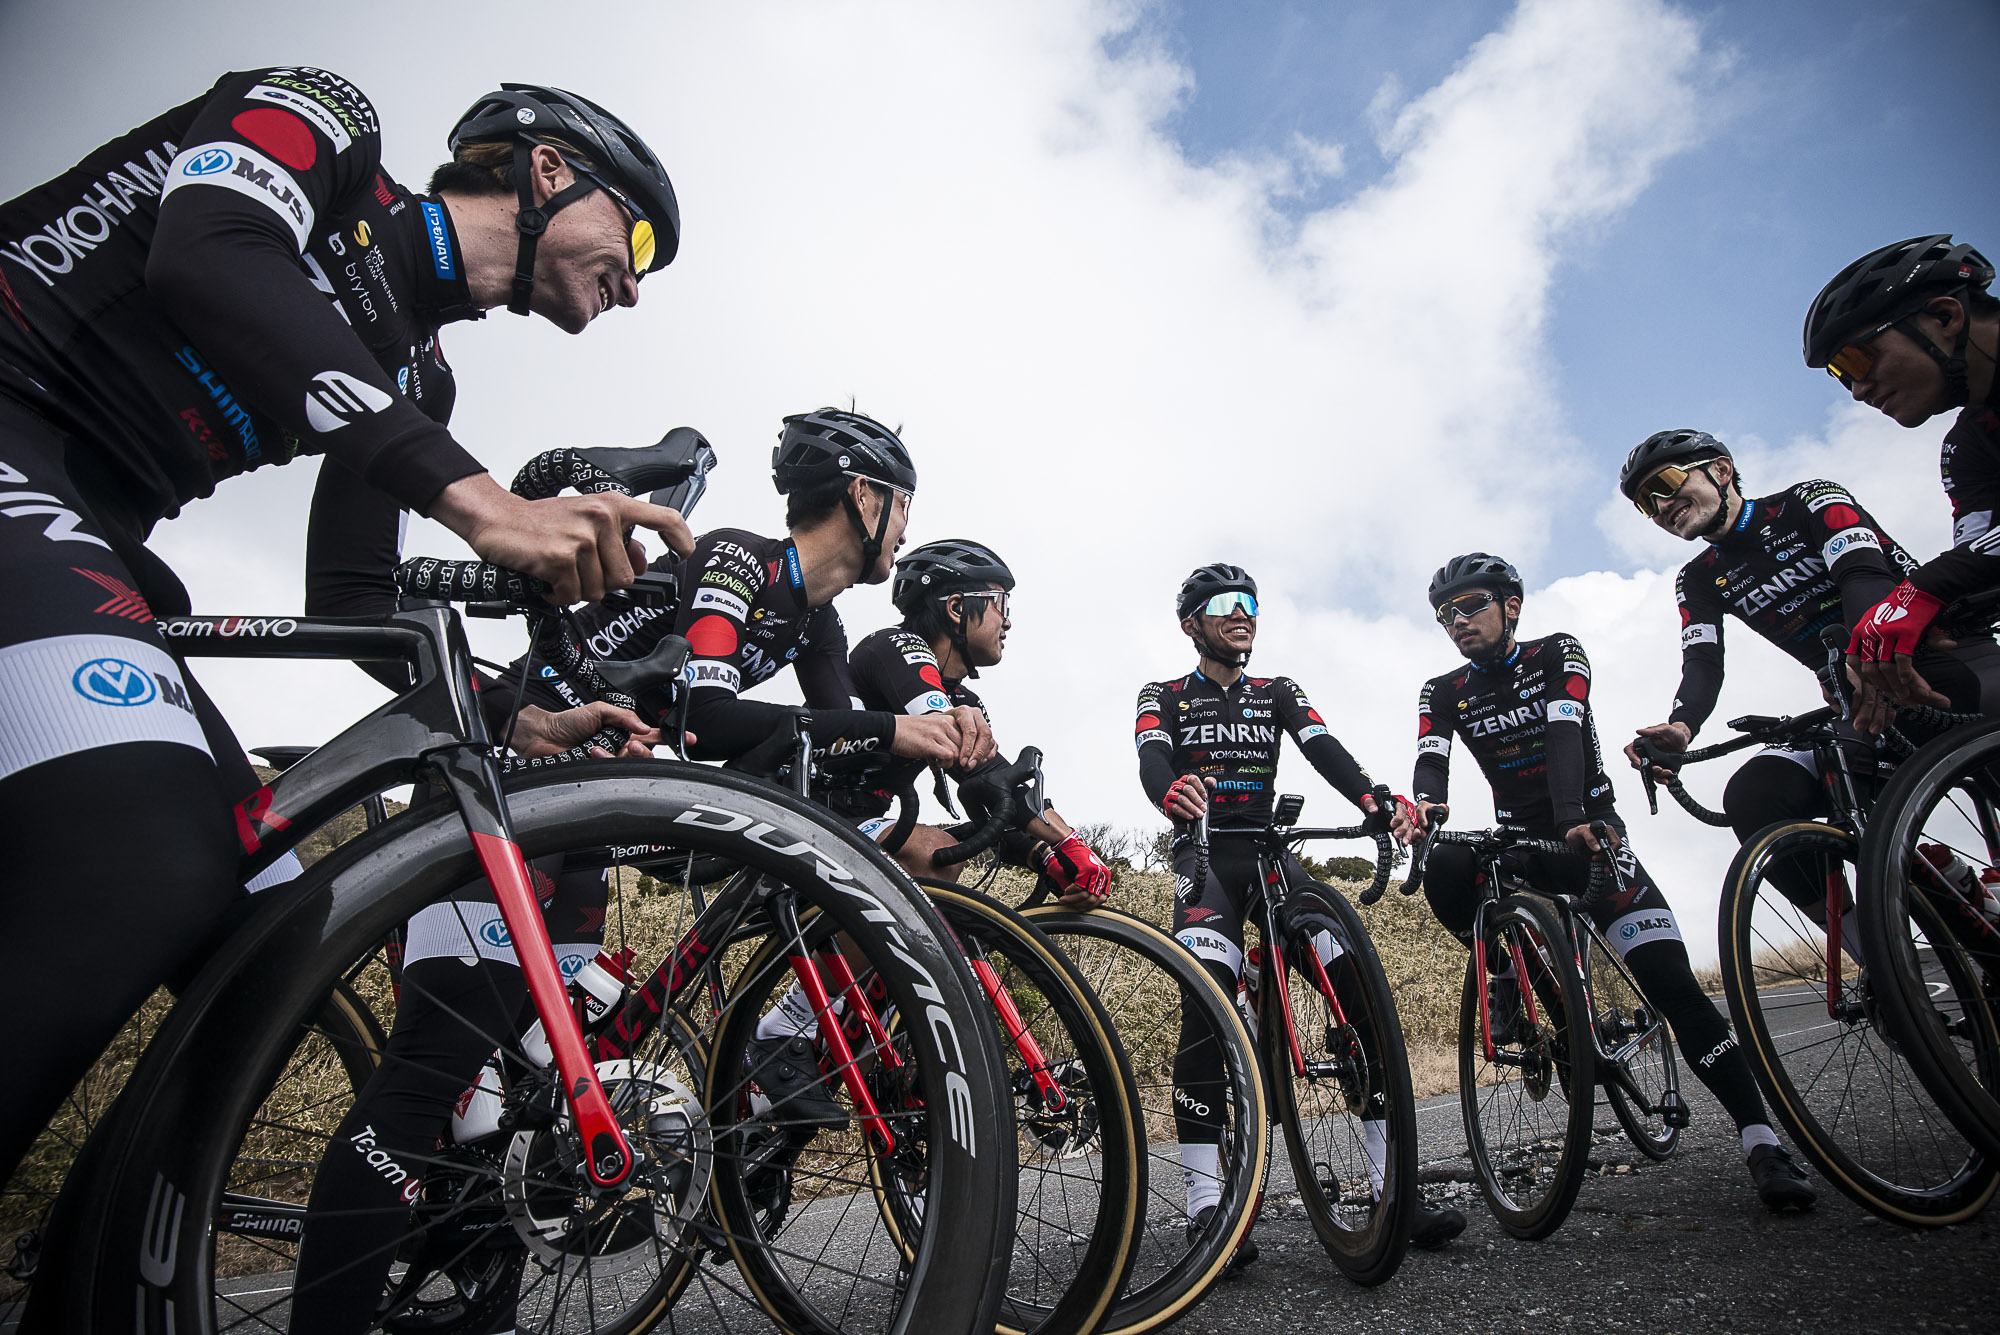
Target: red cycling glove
1074, 867
1896, 625
1188, 784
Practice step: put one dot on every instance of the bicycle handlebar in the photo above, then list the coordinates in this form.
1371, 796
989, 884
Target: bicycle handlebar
1013, 796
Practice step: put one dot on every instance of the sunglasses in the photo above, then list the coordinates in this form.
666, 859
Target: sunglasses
1222, 604
1664, 483
640, 236
1856, 358
999, 597
1467, 605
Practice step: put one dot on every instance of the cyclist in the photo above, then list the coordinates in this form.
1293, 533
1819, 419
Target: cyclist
1209, 742
1523, 709
1787, 565
954, 597
1911, 331
231, 285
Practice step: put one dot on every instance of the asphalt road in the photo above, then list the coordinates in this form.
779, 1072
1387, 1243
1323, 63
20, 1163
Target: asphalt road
1667, 1247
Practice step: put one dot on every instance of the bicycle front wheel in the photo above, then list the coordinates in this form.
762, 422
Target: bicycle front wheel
1528, 1103
1339, 1083
1934, 845
1844, 1090
584, 1260
1144, 978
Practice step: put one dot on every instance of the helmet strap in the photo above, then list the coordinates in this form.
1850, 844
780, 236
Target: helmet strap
871, 544
1715, 525
958, 635
1952, 364
531, 220
1219, 653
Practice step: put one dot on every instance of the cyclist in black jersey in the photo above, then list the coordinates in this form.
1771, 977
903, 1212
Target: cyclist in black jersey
231, 285
1209, 741
1788, 566
1523, 709
1911, 331
954, 597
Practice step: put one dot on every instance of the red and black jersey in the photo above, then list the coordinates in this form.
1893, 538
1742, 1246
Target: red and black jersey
1793, 564
1194, 726
1527, 722
894, 671
1969, 464
230, 285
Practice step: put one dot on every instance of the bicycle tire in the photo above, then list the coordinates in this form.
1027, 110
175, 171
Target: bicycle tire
1140, 974
166, 1177
1651, 1066
1885, 1145
1947, 793
1546, 1153
1350, 1068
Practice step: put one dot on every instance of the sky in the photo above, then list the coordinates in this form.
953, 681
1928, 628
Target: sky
1316, 289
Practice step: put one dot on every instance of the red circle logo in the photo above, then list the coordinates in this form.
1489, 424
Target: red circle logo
1841, 516
279, 133
712, 637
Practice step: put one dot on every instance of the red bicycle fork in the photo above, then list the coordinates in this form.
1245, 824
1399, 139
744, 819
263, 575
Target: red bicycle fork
841, 1053
1024, 1042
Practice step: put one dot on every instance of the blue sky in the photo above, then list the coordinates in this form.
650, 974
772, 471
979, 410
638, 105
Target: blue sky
1849, 124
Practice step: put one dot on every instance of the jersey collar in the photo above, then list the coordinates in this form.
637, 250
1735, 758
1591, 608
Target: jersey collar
440, 269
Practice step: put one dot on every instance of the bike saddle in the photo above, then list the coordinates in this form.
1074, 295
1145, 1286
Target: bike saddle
282, 757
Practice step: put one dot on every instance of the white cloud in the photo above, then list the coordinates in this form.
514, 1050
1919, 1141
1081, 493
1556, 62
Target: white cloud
1111, 363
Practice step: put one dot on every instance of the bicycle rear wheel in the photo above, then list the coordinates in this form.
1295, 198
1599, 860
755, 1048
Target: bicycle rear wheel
1141, 976
1642, 1074
1349, 1118
591, 1262
1528, 1107
1843, 1090
1937, 979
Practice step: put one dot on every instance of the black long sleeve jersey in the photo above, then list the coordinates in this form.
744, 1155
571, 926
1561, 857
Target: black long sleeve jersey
744, 613
1194, 726
1527, 722
895, 672
230, 285
1794, 563
1969, 463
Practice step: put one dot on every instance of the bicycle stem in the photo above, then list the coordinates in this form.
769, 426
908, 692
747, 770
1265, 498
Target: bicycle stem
471, 774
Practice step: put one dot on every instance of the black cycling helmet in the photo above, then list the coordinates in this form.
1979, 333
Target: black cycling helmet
826, 445
1885, 286
1475, 570
1208, 581
526, 114
1679, 446
949, 566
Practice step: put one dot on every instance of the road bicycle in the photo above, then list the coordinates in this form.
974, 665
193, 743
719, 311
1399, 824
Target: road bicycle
594, 1178
1528, 1076
1335, 1069
1809, 1015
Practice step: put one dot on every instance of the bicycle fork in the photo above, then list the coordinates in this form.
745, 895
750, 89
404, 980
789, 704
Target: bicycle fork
472, 776
785, 913
1522, 984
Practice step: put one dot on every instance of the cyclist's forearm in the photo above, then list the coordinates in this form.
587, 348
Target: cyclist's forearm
1337, 767
728, 727
1700, 688
1156, 771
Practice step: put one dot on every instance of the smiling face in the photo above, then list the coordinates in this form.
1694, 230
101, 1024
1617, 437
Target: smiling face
868, 498
1692, 509
583, 265
1237, 631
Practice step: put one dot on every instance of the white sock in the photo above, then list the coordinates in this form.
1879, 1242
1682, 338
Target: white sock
1755, 1134
1201, 1165
286, 868
792, 1017
1375, 1139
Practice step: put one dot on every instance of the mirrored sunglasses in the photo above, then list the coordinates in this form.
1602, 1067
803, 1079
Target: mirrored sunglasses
1465, 605
1222, 604
1658, 489
1855, 359
640, 236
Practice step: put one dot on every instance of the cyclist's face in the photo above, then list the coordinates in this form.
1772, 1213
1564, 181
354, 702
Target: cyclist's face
870, 504
1480, 634
1238, 630
1690, 510
1904, 383
583, 265
986, 624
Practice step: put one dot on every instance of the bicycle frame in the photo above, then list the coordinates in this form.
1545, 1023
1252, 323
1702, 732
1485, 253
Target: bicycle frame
432, 730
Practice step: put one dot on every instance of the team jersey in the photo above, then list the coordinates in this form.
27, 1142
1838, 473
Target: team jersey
1793, 564
231, 285
1193, 726
743, 611
1527, 722
895, 671
1970, 466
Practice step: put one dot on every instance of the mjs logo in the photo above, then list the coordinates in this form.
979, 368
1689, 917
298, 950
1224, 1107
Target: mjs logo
113, 681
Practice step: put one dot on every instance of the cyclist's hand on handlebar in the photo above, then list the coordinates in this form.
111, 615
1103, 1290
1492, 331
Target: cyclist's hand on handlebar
1583, 841
1664, 737
1879, 657
537, 732
1187, 797
1078, 872
1412, 819
975, 737
576, 543
931, 738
